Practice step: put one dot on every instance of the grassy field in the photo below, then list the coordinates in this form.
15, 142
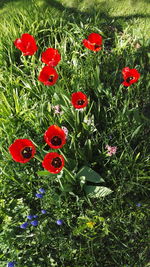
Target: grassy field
109, 227
135, 13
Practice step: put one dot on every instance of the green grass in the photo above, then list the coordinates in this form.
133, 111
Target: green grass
120, 236
133, 12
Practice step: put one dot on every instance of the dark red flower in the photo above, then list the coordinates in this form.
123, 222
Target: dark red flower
53, 162
48, 76
130, 76
55, 137
51, 57
22, 150
94, 42
26, 44
79, 100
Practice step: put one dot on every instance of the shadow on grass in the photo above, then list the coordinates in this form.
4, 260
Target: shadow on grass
109, 24
74, 11
101, 9
4, 2
74, 15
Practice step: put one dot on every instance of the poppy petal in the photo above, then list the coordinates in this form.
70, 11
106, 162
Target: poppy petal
55, 137
18, 43
79, 100
53, 162
22, 150
26, 44
125, 83
93, 42
95, 38
48, 76
130, 76
51, 57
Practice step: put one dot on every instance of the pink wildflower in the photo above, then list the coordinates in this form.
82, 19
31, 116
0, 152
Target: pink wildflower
57, 109
65, 130
111, 150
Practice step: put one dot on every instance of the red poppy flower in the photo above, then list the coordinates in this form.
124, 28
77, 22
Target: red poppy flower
94, 42
53, 162
130, 76
51, 57
55, 137
22, 150
26, 44
79, 100
48, 76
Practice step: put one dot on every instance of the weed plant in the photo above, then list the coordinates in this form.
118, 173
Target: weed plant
78, 229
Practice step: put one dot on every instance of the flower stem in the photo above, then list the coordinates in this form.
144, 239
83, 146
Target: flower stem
38, 158
69, 173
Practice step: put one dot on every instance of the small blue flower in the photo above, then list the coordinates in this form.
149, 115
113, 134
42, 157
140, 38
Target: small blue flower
42, 190
35, 216
43, 211
30, 217
39, 195
11, 264
59, 222
24, 225
34, 223
139, 205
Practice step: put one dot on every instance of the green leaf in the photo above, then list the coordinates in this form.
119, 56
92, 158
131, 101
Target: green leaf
97, 191
16, 99
44, 173
89, 175
137, 130
136, 114
67, 188
6, 103
146, 111
144, 178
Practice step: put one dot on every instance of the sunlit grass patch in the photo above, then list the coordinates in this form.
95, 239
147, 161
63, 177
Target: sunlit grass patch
94, 211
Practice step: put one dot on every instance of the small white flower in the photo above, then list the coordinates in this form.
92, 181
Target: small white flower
57, 109
65, 130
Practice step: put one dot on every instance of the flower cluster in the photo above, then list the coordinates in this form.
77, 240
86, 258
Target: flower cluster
42, 191
111, 150
23, 150
34, 222
11, 264
51, 57
32, 217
